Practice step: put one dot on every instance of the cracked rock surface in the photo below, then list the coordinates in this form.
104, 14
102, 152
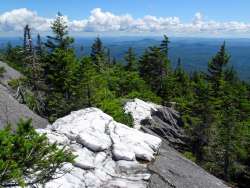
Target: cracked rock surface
108, 152
169, 169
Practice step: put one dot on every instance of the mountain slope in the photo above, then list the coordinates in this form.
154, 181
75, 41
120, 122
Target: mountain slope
169, 169
10, 109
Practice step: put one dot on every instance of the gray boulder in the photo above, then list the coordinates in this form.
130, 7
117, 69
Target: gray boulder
165, 122
11, 111
169, 169
9, 74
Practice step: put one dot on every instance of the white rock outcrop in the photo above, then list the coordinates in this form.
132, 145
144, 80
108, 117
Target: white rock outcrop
107, 151
140, 110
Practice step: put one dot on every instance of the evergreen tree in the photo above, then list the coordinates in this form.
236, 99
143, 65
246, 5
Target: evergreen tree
199, 116
31, 86
152, 68
28, 159
98, 53
130, 58
39, 45
60, 39
61, 80
89, 82
60, 67
165, 45
182, 81
233, 109
216, 67
27, 40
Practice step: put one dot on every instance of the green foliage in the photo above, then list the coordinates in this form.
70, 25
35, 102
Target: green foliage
98, 54
130, 58
2, 71
114, 107
165, 45
214, 107
216, 118
60, 39
60, 79
27, 158
189, 155
15, 83
216, 67
14, 56
153, 68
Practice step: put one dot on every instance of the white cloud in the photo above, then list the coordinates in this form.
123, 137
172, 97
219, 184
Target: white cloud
103, 21
16, 19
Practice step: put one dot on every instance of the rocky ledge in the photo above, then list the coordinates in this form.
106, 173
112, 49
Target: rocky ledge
109, 154
169, 169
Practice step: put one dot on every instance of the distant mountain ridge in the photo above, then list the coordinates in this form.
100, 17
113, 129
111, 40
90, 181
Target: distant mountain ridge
194, 52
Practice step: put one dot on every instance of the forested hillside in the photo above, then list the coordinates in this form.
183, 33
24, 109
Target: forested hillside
194, 52
214, 105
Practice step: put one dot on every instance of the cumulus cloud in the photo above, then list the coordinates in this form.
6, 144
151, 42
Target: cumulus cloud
104, 21
16, 19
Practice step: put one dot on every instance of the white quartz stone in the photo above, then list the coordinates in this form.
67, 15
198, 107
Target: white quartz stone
140, 110
107, 151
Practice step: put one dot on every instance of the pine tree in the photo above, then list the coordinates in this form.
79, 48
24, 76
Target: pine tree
28, 159
61, 79
60, 67
227, 128
98, 53
130, 58
165, 46
88, 82
199, 116
39, 45
60, 39
182, 81
216, 67
149, 69
27, 40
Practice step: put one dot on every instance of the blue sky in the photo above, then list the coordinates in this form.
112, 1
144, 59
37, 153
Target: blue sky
226, 14
221, 10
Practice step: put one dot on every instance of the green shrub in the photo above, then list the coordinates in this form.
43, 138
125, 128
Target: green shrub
114, 108
30, 100
147, 95
2, 71
15, 83
27, 158
189, 156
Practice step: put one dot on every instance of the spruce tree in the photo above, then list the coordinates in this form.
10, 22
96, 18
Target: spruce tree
28, 159
199, 116
60, 66
98, 53
182, 81
60, 30
27, 40
130, 58
151, 68
39, 45
165, 45
217, 66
